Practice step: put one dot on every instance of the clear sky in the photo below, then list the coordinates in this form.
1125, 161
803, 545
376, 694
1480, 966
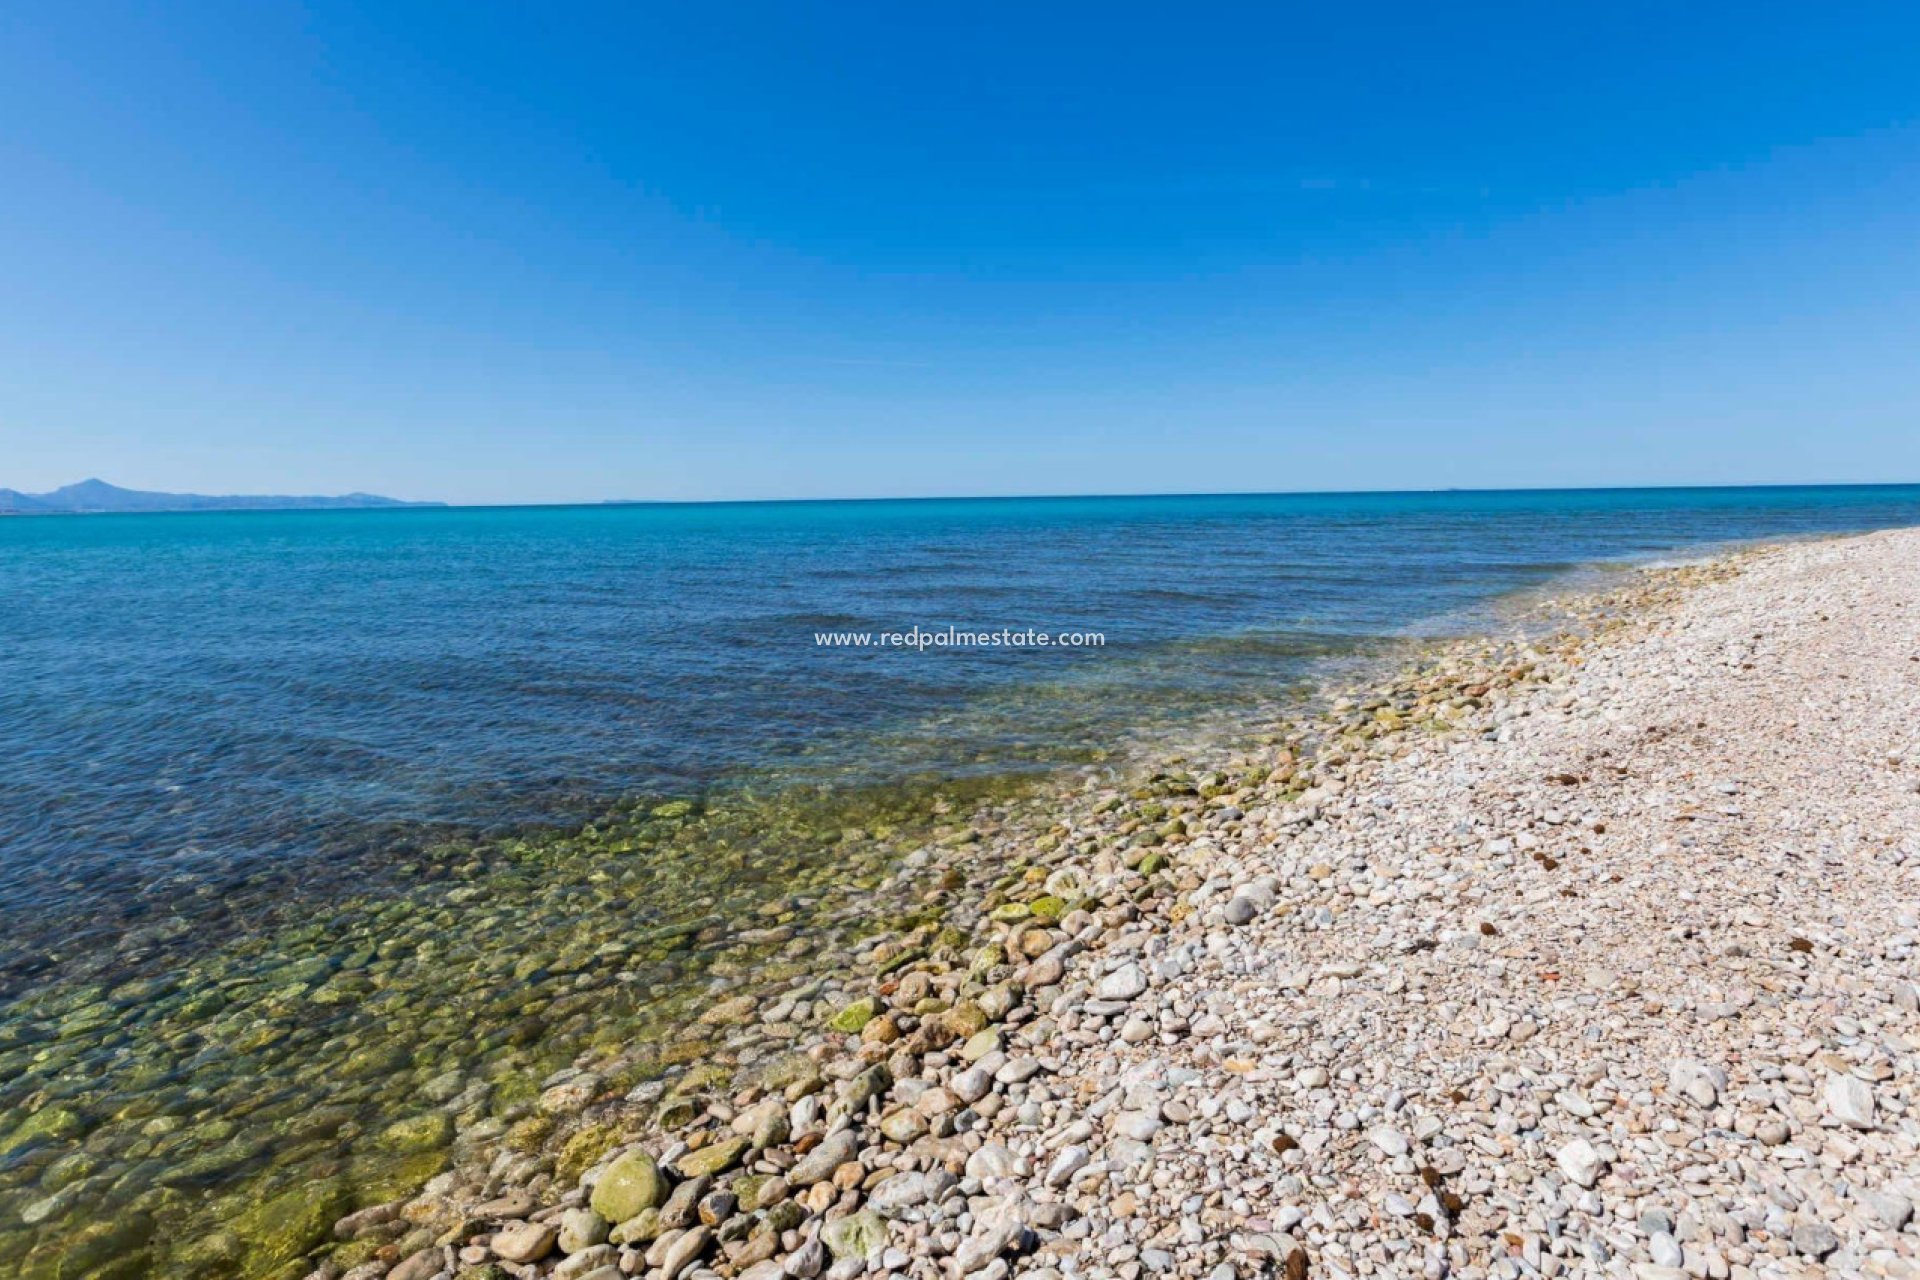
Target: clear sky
567, 252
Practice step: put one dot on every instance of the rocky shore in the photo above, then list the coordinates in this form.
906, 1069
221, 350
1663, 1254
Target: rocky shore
1591, 953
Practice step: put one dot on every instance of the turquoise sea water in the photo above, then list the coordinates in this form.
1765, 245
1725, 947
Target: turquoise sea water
198, 709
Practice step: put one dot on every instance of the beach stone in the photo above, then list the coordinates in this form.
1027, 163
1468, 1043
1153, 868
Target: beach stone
909, 1190
1665, 1250
683, 1202
422, 1265
1850, 1101
525, 1242
904, 1126
1889, 1209
1815, 1239
857, 1235
1046, 971
818, 1165
1069, 1161
1124, 983
631, 1183
592, 1261
854, 1017
809, 1260
581, 1229
684, 1251
1391, 1142
991, 1161
641, 1228
714, 1159
1580, 1162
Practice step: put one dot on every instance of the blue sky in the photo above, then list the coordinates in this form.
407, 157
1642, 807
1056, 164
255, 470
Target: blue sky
553, 253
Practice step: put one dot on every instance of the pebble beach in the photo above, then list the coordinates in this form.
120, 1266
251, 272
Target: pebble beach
1592, 955
1587, 952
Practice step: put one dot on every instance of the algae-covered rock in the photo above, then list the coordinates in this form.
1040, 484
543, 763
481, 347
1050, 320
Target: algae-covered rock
785, 1071
965, 1019
630, 1184
714, 1159
218, 1253
281, 1230
584, 1149
114, 1248
734, 1012
856, 1015
48, 1124
374, 1060
855, 1236
425, 1132
641, 1228
702, 1079
527, 1135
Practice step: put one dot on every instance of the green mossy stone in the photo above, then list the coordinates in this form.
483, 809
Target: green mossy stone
632, 1183
856, 1015
113, 1249
747, 1187
281, 1230
714, 1159
584, 1149
855, 1236
48, 1124
677, 1114
428, 1131
641, 1228
527, 1135
966, 1019
218, 1253
705, 1078
69, 1169
784, 1070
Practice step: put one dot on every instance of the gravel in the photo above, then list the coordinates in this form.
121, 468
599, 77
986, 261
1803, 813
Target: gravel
1590, 952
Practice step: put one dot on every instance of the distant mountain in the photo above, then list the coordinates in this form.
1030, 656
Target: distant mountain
93, 496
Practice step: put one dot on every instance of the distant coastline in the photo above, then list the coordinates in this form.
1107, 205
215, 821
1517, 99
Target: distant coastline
97, 497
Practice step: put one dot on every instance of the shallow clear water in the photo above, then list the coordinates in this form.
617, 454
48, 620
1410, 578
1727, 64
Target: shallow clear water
272, 948
248, 702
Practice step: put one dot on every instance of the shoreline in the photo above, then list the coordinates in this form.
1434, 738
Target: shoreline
992, 995
944, 1156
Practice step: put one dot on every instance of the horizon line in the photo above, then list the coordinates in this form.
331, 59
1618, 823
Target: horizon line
417, 505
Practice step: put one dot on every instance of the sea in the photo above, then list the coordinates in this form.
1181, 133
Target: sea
193, 703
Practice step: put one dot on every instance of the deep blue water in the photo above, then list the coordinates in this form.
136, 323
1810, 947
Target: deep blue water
185, 696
